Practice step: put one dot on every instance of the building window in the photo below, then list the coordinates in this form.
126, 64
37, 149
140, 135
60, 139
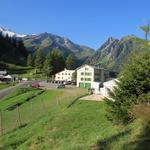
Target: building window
87, 79
82, 73
68, 73
88, 73
65, 73
62, 73
82, 79
86, 68
62, 77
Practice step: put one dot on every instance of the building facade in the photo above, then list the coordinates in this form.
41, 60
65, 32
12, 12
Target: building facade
85, 76
92, 77
65, 75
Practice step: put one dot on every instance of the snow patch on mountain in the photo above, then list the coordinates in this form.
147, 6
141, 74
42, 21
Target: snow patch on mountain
10, 33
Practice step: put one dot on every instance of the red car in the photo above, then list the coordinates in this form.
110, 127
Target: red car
35, 85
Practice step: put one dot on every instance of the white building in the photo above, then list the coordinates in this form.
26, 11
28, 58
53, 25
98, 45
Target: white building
108, 86
92, 77
65, 75
4, 76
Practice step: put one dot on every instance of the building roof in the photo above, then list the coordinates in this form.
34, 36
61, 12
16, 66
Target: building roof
95, 67
8, 77
65, 70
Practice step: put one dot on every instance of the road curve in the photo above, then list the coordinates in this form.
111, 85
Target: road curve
8, 90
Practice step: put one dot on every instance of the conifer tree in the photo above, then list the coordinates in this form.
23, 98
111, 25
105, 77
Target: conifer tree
58, 61
22, 48
134, 81
38, 60
70, 62
48, 67
53, 63
29, 60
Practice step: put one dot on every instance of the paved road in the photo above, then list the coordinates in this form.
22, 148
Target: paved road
45, 85
8, 90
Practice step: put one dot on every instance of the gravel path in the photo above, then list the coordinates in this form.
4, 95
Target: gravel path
93, 97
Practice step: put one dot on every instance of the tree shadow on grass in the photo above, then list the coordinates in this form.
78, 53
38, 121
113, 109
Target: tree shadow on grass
142, 142
104, 144
14, 144
16, 128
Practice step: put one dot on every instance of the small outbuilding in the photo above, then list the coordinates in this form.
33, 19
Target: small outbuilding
108, 86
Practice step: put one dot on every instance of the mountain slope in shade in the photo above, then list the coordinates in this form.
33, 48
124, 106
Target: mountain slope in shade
114, 53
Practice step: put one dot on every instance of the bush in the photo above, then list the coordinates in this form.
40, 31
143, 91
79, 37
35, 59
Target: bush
142, 109
134, 82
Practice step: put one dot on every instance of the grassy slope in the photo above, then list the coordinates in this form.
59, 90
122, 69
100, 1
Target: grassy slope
4, 85
21, 98
82, 126
21, 71
36, 107
30, 110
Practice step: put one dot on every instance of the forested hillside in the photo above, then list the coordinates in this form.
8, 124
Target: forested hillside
12, 50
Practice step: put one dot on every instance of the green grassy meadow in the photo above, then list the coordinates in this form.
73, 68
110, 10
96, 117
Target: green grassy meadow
21, 71
3, 86
49, 124
6, 85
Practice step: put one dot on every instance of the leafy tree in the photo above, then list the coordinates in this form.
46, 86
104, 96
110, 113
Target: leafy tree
70, 62
29, 60
38, 62
146, 30
134, 81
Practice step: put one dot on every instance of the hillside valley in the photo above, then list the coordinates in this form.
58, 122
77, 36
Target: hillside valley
112, 55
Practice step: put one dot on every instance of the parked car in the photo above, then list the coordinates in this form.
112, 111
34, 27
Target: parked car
59, 86
73, 83
35, 85
67, 82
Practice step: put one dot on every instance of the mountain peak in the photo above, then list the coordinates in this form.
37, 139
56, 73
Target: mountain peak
108, 43
10, 33
111, 39
114, 53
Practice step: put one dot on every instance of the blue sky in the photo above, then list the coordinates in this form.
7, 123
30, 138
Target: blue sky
86, 22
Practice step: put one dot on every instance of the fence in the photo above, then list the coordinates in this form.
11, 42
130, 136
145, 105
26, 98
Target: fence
30, 111
21, 115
